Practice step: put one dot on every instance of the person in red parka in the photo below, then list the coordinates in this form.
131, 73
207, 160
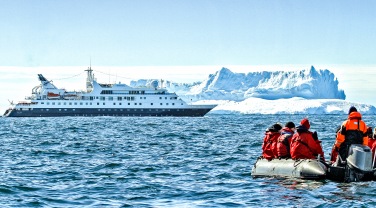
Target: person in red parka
269, 146
284, 141
372, 142
305, 144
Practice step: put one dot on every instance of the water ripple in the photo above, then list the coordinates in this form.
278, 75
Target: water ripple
157, 162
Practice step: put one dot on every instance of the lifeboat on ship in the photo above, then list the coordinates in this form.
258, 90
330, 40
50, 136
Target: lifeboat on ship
358, 166
71, 97
52, 96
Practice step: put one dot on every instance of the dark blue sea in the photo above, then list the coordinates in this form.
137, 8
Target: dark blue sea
159, 162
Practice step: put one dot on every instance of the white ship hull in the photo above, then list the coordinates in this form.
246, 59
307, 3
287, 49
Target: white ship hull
103, 100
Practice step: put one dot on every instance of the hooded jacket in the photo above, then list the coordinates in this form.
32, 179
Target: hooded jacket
353, 125
284, 141
269, 146
304, 146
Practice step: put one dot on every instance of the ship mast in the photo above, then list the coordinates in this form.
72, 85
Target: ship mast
89, 79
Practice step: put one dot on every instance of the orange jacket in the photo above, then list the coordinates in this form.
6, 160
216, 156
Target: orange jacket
352, 124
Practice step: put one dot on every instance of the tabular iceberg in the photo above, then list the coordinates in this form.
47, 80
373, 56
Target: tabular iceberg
308, 91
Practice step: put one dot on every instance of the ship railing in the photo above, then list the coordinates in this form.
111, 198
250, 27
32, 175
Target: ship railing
27, 103
30, 97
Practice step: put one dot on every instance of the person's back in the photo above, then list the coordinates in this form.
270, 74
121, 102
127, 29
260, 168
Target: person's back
283, 144
304, 143
353, 131
371, 139
372, 143
270, 142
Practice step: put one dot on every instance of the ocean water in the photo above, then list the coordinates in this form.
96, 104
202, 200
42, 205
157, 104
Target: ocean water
158, 162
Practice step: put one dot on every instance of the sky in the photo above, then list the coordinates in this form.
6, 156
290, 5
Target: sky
189, 39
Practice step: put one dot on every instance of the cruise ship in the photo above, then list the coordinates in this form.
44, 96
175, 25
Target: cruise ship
103, 100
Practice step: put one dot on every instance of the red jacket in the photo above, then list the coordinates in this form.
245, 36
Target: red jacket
303, 146
283, 143
371, 141
269, 147
373, 147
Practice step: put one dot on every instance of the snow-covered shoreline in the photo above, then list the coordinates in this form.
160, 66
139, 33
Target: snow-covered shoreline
287, 106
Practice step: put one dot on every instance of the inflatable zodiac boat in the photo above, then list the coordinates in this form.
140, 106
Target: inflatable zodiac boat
304, 169
358, 166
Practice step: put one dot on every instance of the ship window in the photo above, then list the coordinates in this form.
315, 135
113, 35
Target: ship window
140, 103
128, 109
48, 103
173, 103
59, 109
65, 109
114, 103
151, 103
121, 109
53, 103
65, 103
110, 98
97, 103
135, 103
104, 103
106, 92
161, 103
119, 98
70, 103
182, 104
59, 103
80, 103
144, 98
42, 102
99, 109
91, 103
75, 103
74, 109
109, 109
119, 103
129, 103
166, 103
141, 98
165, 98
160, 98
132, 98
103, 98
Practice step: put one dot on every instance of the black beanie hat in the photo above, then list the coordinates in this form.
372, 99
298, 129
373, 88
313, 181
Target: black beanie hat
352, 109
290, 125
275, 127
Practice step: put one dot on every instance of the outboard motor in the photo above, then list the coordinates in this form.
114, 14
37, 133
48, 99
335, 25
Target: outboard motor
359, 163
356, 167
